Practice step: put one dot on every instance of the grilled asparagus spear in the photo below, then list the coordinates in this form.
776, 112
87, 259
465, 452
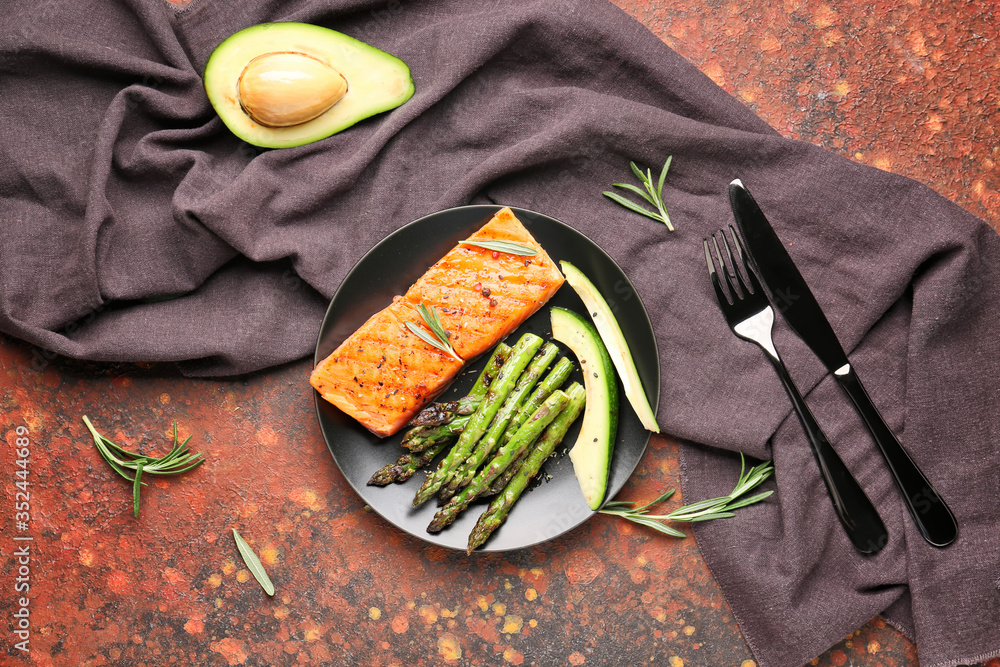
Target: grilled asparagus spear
437, 430
555, 379
522, 440
498, 510
491, 440
406, 465
503, 383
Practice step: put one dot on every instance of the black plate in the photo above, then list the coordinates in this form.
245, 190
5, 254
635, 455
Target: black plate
556, 504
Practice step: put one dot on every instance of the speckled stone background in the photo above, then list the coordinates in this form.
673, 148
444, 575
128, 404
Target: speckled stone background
906, 86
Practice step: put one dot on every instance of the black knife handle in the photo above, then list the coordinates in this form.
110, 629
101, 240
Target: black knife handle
932, 515
857, 515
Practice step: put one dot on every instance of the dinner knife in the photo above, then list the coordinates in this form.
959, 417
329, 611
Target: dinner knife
792, 298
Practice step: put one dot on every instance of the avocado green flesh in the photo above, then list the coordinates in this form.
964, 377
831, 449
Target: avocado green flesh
611, 333
591, 455
376, 81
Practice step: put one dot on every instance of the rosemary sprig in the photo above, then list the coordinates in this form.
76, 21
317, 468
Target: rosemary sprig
177, 460
705, 510
508, 247
439, 339
652, 194
253, 563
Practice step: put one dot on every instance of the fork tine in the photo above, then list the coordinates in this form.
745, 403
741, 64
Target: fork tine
714, 275
708, 260
751, 278
726, 268
734, 268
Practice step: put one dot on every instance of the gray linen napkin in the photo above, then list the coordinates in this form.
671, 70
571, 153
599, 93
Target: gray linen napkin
137, 228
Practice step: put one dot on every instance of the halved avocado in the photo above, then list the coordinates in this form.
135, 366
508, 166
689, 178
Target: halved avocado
277, 85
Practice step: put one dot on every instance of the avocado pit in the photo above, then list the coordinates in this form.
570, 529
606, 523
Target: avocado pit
286, 88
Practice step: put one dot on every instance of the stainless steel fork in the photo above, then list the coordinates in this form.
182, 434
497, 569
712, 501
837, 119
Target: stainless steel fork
750, 316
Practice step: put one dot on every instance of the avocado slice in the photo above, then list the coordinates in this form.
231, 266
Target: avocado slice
594, 447
277, 85
611, 333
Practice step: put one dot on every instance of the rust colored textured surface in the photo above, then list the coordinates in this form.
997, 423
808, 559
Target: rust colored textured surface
906, 86
170, 588
903, 86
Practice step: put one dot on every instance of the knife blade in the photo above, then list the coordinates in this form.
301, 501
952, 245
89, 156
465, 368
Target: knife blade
792, 297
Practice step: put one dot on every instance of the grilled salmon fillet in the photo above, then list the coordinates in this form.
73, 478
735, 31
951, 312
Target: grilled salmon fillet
383, 374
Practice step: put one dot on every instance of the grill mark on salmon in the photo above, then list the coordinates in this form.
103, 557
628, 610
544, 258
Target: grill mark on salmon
484, 295
383, 374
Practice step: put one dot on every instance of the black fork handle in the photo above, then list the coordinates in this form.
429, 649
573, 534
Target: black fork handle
929, 511
857, 515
